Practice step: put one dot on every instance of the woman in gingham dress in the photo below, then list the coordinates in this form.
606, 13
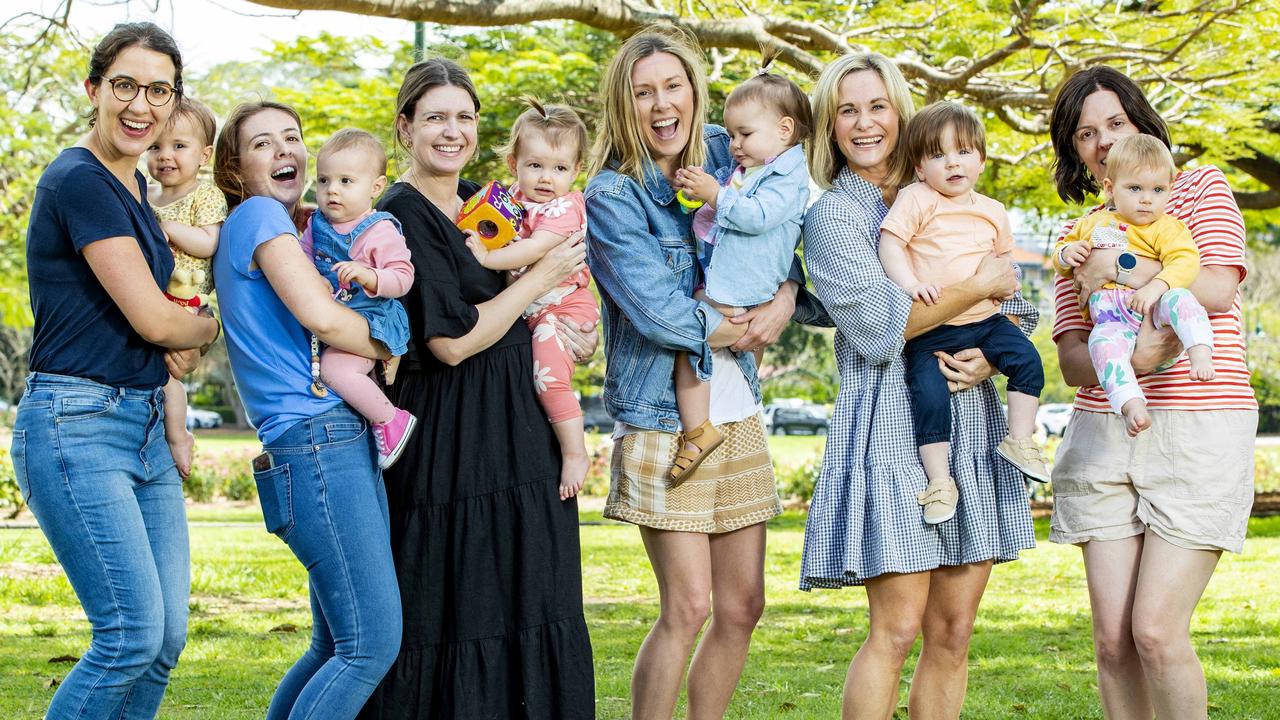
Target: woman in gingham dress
865, 526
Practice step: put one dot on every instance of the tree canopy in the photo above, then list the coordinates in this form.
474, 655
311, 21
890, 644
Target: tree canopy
1210, 66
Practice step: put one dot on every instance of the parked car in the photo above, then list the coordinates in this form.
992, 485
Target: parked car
788, 420
594, 417
197, 418
1053, 417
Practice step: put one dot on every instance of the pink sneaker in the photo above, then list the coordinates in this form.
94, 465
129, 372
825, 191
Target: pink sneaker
392, 437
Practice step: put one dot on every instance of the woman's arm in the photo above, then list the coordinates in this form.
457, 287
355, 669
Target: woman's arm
118, 264
309, 298
994, 279
497, 314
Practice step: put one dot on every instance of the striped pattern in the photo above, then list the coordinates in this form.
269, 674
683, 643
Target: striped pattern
1202, 199
733, 488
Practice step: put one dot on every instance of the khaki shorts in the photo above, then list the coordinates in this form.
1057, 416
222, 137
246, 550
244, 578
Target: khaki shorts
1189, 478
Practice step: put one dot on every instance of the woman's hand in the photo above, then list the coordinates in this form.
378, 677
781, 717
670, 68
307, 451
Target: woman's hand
1097, 270
181, 363
995, 278
580, 339
767, 320
964, 369
1154, 347
561, 261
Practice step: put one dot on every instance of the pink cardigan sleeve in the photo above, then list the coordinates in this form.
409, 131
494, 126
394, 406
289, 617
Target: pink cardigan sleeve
382, 248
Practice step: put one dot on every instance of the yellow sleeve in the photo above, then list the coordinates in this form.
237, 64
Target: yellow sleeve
1177, 253
208, 206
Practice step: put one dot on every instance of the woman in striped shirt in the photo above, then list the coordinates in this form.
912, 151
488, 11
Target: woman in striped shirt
1152, 513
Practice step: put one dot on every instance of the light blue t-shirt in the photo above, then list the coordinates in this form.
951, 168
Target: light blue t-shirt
270, 351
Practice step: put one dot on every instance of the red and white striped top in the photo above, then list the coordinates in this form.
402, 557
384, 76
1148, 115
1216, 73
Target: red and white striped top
1202, 199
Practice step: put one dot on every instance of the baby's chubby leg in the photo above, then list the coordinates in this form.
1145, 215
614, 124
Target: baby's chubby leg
1179, 309
181, 443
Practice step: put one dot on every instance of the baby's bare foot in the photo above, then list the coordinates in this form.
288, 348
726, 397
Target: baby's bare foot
1201, 362
573, 472
1136, 418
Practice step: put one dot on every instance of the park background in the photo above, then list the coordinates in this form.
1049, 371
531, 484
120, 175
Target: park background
1211, 67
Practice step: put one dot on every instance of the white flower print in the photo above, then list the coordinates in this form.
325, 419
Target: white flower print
541, 376
547, 329
553, 208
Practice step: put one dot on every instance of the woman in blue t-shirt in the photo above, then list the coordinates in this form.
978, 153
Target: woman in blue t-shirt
318, 478
88, 446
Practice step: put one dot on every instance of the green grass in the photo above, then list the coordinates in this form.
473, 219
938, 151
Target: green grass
1031, 656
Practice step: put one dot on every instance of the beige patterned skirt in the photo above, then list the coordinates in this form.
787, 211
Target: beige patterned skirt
733, 488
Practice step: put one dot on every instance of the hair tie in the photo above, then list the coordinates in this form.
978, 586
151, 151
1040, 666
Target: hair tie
763, 71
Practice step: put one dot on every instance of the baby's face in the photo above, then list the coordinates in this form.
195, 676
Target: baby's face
347, 182
952, 170
1140, 195
176, 156
544, 171
757, 133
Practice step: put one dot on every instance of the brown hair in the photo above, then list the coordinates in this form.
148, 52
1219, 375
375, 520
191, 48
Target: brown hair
1070, 173
618, 137
200, 114
123, 36
777, 92
424, 77
227, 155
825, 158
348, 138
554, 123
1139, 152
924, 136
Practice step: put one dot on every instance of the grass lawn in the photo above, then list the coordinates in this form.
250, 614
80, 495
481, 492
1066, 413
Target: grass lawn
1031, 653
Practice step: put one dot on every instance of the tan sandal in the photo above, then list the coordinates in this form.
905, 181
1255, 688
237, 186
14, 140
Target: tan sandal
706, 438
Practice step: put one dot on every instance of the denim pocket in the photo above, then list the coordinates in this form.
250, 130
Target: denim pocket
18, 456
275, 495
342, 431
82, 406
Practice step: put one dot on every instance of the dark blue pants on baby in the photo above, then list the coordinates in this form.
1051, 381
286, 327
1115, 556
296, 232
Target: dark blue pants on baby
1004, 346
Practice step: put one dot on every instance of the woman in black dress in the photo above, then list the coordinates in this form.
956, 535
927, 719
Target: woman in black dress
486, 552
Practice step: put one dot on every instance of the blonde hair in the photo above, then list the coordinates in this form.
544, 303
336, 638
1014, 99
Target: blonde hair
619, 138
778, 93
553, 123
1139, 152
356, 139
824, 155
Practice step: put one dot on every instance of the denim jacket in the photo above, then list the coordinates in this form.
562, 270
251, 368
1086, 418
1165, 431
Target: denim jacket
640, 249
756, 231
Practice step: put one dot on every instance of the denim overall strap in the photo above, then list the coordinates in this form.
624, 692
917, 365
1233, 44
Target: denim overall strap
329, 246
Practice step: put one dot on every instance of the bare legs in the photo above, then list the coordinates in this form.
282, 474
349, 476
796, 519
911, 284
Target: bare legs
699, 575
942, 604
1143, 591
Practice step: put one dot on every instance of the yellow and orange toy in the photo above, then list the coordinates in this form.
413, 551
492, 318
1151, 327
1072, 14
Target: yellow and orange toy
493, 214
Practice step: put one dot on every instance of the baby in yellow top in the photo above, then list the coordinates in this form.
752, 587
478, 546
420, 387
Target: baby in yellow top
191, 214
1140, 171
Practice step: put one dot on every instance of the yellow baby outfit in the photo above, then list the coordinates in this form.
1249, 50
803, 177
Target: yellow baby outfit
205, 205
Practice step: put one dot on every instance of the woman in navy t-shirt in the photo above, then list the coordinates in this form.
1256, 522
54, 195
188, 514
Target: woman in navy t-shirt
88, 446
318, 478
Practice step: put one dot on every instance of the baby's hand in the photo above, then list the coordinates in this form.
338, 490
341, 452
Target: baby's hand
477, 247
1144, 299
698, 184
926, 293
1076, 253
350, 271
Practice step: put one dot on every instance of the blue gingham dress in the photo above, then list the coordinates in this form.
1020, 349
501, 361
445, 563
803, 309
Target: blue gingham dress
864, 519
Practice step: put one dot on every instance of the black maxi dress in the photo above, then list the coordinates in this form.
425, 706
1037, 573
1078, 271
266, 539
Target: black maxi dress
486, 553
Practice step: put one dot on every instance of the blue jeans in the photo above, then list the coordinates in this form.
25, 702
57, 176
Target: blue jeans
322, 493
92, 464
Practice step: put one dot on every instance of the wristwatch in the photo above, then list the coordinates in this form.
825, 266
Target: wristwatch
1125, 263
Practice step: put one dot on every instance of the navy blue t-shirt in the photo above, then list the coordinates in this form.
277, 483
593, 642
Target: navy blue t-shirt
79, 330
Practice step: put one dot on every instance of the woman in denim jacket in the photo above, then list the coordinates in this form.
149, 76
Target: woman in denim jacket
706, 537
89, 450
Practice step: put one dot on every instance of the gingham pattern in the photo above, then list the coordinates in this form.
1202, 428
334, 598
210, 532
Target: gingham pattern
864, 519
